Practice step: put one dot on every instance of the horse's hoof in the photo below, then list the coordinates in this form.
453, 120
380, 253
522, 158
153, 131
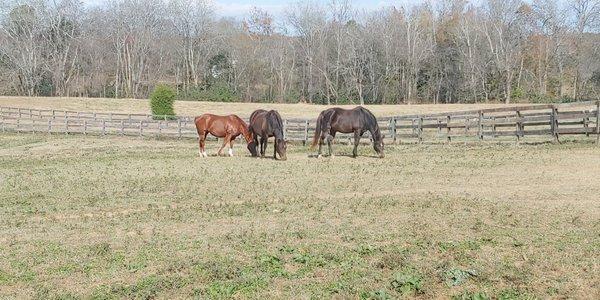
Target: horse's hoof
320, 156
332, 156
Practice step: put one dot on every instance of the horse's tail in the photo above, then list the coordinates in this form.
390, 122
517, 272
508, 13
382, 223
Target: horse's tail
317, 130
322, 121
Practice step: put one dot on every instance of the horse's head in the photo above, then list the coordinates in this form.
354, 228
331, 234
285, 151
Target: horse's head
378, 146
252, 148
281, 148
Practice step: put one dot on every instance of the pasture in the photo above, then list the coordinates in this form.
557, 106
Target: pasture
122, 217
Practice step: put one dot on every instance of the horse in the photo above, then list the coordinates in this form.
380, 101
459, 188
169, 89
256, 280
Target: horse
357, 120
227, 127
268, 124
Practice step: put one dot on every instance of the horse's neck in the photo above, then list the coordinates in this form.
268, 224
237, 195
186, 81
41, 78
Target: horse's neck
274, 126
375, 132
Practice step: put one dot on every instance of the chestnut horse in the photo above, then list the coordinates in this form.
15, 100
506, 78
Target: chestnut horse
357, 120
227, 127
268, 124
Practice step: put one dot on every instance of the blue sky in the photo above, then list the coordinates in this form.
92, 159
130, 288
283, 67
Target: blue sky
240, 8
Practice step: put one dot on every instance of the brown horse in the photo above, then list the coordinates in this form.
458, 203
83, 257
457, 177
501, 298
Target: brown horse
268, 124
227, 127
357, 120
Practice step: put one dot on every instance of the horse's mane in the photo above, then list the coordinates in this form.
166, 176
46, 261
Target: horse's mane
370, 122
275, 122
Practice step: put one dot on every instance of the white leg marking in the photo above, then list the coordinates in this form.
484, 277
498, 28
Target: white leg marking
230, 152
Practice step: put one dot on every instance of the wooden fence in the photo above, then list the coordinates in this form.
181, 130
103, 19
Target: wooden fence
506, 123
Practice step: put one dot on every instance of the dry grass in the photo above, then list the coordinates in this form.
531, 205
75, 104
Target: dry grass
132, 218
197, 108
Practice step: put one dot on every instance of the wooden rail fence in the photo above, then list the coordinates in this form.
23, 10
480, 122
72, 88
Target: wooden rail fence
509, 123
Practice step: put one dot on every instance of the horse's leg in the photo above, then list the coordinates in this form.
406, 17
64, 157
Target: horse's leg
321, 138
202, 142
255, 142
225, 142
329, 142
275, 148
231, 140
356, 143
263, 146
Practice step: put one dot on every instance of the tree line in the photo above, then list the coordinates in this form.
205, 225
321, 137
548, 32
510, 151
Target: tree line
435, 52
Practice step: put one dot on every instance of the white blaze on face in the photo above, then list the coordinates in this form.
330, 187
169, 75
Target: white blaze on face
230, 152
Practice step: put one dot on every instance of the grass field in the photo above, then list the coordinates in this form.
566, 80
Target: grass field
190, 108
92, 217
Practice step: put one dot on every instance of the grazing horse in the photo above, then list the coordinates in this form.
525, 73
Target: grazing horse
227, 127
268, 124
357, 120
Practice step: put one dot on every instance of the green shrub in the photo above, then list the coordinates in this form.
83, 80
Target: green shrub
161, 101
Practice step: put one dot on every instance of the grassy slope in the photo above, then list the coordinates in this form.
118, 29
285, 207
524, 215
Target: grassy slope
197, 108
119, 217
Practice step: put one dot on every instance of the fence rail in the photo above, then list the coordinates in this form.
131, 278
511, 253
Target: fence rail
546, 120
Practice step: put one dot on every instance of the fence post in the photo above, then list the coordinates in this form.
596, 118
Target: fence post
448, 129
32, 125
480, 126
420, 129
84, 127
103, 127
598, 123
305, 132
555, 124
49, 126
159, 128
66, 126
586, 124
178, 128
141, 130
519, 126
285, 126
393, 129
2, 122
129, 118
122, 128
53, 114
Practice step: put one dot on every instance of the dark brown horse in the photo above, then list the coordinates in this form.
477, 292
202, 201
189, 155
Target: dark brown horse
357, 120
268, 124
227, 127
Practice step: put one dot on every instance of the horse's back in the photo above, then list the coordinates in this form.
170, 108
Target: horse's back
208, 121
257, 113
